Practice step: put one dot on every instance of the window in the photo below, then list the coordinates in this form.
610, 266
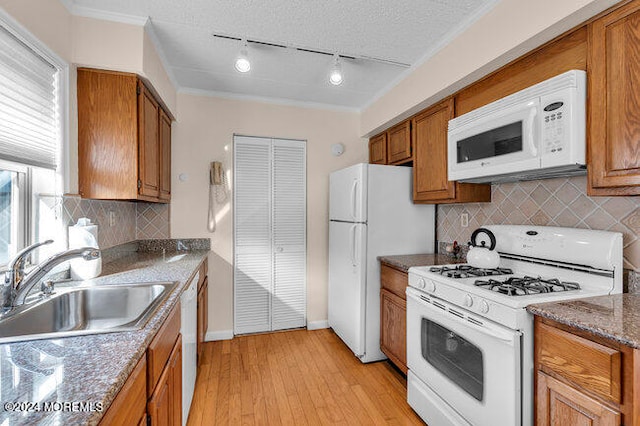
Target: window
12, 212
32, 127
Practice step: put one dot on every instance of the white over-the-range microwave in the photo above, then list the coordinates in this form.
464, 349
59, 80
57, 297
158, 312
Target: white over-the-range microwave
536, 133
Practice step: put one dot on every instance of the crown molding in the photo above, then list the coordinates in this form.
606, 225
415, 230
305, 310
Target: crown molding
88, 12
443, 42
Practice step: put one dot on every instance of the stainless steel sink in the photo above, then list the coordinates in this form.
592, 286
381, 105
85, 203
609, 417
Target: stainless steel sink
85, 310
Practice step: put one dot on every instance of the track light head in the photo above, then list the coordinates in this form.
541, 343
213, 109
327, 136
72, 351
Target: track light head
242, 61
335, 75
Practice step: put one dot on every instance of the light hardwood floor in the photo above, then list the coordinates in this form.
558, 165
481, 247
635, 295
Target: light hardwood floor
296, 378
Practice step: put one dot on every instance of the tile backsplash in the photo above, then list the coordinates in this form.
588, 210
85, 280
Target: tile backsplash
131, 220
152, 221
552, 202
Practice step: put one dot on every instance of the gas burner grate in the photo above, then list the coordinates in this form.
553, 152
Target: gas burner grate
466, 271
514, 286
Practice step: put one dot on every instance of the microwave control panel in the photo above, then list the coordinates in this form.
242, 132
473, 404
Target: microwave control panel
554, 128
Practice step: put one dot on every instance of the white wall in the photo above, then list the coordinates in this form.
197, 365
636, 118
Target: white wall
204, 133
510, 29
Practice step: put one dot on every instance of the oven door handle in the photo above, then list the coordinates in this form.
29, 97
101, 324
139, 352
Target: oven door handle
485, 327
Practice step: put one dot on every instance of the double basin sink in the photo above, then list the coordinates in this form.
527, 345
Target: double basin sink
85, 310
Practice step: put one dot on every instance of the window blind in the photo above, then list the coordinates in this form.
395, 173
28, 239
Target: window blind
29, 129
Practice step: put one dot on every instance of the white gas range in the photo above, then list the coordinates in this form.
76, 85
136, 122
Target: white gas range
469, 336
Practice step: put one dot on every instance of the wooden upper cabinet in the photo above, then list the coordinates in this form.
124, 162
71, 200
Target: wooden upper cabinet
165, 156
613, 81
149, 143
378, 149
568, 52
124, 138
399, 143
430, 181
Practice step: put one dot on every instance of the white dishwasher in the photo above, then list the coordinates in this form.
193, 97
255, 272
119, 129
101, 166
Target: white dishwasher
189, 312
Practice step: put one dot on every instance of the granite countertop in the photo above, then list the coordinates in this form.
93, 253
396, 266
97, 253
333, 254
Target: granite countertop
615, 317
88, 369
406, 261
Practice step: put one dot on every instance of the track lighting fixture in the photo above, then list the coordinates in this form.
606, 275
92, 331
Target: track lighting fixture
335, 75
242, 61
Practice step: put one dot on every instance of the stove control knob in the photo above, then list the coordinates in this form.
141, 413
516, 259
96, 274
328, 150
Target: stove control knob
421, 284
468, 300
484, 307
431, 286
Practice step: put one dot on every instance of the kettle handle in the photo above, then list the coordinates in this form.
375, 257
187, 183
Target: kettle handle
492, 238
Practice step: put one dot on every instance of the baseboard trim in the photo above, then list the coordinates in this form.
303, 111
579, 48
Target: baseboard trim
317, 325
213, 336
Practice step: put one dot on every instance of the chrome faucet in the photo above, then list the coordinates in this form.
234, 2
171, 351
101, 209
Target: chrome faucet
17, 285
15, 274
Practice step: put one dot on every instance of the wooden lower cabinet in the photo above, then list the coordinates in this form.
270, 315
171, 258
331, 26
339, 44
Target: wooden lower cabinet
152, 395
393, 315
164, 373
128, 408
203, 316
584, 379
560, 405
165, 404
393, 328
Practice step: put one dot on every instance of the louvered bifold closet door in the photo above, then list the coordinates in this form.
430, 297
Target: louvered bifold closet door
253, 243
289, 234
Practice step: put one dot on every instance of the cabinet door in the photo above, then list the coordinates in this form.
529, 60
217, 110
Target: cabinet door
175, 383
429, 131
203, 315
165, 405
559, 404
378, 149
107, 134
148, 145
159, 405
393, 328
165, 156
614, 78
399, 143
128, 407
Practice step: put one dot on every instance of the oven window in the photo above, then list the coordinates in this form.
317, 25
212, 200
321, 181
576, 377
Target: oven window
500, 141
453, 356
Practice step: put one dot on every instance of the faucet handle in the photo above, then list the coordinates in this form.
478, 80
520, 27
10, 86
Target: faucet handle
47, 287
18, 261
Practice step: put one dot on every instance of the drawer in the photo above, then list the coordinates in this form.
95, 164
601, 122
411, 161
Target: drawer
393, 280
590, 365
160, 348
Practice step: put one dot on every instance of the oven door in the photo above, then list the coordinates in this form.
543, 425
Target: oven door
501, 142
471, 365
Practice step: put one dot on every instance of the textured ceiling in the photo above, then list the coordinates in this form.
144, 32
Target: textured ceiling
404, 31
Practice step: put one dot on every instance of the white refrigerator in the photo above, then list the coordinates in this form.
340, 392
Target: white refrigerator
371, 214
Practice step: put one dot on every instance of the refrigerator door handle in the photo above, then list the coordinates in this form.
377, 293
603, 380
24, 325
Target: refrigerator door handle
352, 244
354, 199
